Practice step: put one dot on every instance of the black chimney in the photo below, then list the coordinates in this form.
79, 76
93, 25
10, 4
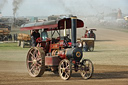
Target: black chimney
73, 30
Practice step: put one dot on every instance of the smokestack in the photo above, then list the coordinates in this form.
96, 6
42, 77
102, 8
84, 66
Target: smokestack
73, 30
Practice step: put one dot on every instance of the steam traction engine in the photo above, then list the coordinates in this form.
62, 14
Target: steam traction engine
60, 54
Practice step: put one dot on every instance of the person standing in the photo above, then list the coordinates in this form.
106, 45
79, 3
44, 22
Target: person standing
92, 35
34, 35
86, 34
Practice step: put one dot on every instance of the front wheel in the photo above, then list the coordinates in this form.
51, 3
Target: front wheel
36, 62
87, 69
65, 69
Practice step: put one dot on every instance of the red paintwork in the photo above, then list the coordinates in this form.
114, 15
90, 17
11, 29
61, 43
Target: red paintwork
39, 40
62, 55
40, 27
52, 61
59, 25
56, 45
85, 36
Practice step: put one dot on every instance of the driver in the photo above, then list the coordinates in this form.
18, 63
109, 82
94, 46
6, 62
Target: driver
44, 35
34, 35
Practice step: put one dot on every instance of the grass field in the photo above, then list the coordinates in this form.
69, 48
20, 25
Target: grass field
11, 52
10, 46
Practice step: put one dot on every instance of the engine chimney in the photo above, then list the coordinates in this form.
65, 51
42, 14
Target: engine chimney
73, 30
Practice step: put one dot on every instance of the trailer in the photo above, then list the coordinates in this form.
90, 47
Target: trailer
5, 34
23, 40
87, 44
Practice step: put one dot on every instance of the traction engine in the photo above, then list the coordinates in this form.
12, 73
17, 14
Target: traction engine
58, 55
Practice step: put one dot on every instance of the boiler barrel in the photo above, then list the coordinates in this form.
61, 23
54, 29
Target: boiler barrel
74, 53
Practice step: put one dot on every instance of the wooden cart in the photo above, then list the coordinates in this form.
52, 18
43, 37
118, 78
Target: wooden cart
23, 39
87, 44
5, 34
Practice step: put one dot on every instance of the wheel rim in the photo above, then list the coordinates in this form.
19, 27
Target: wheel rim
65, 69
86, 69
34, 62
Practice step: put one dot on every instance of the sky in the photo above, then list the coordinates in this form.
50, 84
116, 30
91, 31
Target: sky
57, 7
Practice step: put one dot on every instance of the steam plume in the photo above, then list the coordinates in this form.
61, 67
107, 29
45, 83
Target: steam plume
16, 4
65, 7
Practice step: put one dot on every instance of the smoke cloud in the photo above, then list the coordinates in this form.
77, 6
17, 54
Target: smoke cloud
16, 4
85, 7
76, 7
2, 3
57, 7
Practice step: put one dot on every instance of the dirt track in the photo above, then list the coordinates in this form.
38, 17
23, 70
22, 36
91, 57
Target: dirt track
15, 73
111, 69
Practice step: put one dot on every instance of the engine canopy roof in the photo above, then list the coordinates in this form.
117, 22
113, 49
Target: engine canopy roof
52, 25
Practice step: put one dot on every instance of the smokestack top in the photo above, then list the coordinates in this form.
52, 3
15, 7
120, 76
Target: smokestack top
73, 17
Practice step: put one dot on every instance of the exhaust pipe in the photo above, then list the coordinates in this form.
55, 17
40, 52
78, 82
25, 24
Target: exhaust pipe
73, 30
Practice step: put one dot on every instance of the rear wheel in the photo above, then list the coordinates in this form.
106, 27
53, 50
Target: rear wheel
65, 69
87, 69
36, 62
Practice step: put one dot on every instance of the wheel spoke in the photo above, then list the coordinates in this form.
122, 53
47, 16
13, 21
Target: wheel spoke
39, 64
66, 75
38, 59
67, 67
62, 65
33, 57
66, 64
37, 68
32, 68
61, 68
30, 61
34, 53
38, 53
31, 65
